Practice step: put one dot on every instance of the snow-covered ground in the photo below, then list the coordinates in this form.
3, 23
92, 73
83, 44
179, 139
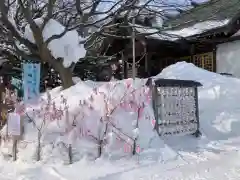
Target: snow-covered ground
213, 156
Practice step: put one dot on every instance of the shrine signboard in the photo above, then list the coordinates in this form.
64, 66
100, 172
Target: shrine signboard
176, 107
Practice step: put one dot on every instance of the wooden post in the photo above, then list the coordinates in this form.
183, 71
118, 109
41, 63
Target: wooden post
192, 52
124, 66
146, 60
14, 149
214, 59
133, 51
39, 146
16, 138
70, 154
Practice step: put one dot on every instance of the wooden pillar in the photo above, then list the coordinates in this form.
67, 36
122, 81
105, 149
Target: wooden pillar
214, 58
146, 60
2, 89
192, 52
133, 51
149, 63
124, 66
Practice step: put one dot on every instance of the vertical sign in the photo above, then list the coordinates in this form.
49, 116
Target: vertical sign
31, 81
14, 124
16, 82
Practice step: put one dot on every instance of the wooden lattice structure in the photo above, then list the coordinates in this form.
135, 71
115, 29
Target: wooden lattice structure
204, 61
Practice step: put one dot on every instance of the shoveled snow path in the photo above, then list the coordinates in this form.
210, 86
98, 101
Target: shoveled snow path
207, 165
226, 166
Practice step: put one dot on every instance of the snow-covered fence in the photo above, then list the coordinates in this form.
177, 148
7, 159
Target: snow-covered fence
175, 104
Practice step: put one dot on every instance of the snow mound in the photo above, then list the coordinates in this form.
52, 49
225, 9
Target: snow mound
218, 99
219, 123
55, 139
67, 46
215, 86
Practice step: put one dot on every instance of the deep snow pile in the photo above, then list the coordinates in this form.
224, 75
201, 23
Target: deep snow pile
219, 123
55, 139
218, 100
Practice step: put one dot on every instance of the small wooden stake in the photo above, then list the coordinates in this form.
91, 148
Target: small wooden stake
70, 153
39, 146
14, 149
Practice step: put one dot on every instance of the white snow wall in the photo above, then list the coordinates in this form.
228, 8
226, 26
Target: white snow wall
228, 58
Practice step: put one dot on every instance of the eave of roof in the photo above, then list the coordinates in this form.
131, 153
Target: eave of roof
208, 18
185, 33
214, 10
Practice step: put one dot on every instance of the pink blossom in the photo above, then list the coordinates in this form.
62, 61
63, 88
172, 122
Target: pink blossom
127, 148
138, 149
153, 122
140, 112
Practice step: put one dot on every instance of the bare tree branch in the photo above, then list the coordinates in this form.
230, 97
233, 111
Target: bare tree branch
50, 6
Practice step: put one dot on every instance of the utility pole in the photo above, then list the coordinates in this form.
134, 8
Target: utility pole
133, 50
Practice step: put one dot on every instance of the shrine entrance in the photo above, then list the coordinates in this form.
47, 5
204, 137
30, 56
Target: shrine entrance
204, 60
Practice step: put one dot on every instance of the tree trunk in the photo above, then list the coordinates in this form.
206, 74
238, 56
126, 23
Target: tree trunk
100, 146
66, 77
134, 151
46, 56
64, 73
57, 64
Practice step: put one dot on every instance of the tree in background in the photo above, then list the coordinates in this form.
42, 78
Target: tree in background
59, 32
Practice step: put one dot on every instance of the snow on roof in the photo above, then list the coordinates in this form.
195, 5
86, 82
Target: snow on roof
236, 34
173, 35
155, 33
198, 28
67, 47
167, 8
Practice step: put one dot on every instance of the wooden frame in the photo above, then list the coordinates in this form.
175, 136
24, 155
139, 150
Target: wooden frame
203, 60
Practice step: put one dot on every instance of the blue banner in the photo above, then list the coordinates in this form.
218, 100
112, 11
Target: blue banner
31, 81
16, 82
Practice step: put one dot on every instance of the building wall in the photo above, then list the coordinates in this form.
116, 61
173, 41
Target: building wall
228, 58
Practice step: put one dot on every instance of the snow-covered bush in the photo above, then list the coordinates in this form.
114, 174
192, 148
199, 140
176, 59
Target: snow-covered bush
99, 117
104, 121
45, 113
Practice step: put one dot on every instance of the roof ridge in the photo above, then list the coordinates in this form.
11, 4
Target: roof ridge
201, 6
214, 10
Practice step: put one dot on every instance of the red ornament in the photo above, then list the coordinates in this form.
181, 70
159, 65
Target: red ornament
153, 122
